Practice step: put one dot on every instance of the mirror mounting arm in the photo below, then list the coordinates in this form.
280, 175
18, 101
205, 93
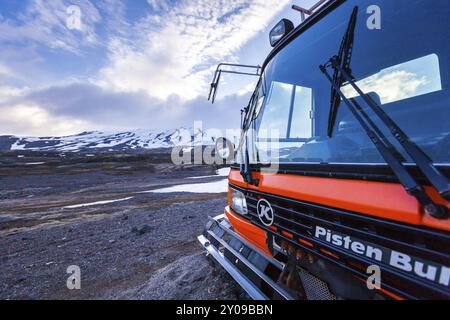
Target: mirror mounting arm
304, 12
224, 68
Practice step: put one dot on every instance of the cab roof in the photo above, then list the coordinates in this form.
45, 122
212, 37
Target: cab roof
313, 19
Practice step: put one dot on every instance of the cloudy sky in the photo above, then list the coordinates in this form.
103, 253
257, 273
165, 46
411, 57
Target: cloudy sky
127, 64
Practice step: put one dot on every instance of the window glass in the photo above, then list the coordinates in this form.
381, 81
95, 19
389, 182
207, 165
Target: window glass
275, 115
404, 67
407, 80
301, 126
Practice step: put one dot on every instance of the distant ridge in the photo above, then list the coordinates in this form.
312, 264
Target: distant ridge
137, 140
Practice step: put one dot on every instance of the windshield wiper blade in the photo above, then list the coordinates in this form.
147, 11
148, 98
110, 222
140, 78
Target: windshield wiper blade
406, 179
439, 181
343, 59
343, 73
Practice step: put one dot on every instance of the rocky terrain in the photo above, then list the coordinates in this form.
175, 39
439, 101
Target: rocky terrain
101, 214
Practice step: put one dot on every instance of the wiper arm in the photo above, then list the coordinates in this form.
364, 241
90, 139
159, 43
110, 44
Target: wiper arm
439, 181
406, 179
343, 59
342, 62
342, 73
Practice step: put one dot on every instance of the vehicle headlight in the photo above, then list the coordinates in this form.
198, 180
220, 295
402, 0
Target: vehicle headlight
238, 202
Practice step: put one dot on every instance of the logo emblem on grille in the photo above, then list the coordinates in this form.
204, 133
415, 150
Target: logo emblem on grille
265, 212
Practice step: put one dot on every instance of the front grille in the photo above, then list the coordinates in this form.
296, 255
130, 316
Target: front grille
295, 222
315, 288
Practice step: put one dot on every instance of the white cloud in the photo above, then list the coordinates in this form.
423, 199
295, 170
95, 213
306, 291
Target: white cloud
248, 89
158, 5
73, 108
30, 119
45, 22
157, 72
8, 93
26, 117
390, 86
6, 72
175, 54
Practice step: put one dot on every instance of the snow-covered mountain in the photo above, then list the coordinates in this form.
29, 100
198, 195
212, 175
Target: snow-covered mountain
138, 140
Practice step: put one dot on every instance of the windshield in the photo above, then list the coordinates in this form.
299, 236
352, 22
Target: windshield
404, 66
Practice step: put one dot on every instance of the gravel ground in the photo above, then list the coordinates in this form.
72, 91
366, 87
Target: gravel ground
193, 277
144, 248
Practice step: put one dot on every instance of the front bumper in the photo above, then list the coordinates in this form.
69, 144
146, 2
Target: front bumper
251, 268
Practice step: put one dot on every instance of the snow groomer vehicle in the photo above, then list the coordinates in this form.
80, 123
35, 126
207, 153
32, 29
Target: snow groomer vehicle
350, 199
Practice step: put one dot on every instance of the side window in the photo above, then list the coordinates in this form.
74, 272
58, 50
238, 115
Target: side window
287, 113
275, 115
259, 102
302, 116
406, 80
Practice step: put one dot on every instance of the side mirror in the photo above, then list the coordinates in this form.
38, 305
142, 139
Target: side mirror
280, 31
225, 149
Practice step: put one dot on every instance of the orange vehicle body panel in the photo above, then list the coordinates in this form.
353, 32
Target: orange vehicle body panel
378, 199
381, 200
251, 233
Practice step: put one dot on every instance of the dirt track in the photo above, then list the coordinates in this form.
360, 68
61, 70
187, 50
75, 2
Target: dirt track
142, 248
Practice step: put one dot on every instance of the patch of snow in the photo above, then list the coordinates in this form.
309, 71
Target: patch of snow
34, 163
211, 187
98, 203
202, 177
17, 147
137, 139
224, 172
